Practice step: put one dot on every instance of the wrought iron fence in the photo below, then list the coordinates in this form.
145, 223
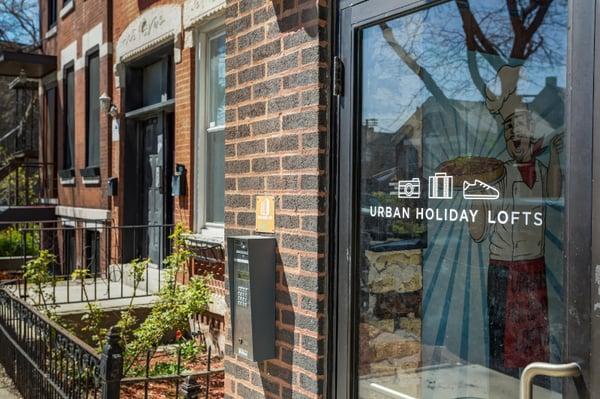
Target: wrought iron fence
46, 361
181, 384
42, 358
105, 253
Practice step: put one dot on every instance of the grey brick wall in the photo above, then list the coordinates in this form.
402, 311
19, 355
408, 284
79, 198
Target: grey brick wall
276, 144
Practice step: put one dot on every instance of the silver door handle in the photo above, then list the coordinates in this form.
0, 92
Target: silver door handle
546, 369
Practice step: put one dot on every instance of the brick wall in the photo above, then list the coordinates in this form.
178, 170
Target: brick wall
276, 144
125, 12
184, 131
85, 16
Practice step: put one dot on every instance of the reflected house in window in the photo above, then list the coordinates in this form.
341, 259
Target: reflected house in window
456, 129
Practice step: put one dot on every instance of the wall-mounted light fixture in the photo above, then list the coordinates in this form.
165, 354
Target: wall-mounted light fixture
107, 106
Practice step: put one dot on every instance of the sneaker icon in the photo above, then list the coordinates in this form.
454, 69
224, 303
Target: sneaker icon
479, 190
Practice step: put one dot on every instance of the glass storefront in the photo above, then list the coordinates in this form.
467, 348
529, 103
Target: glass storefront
462, 113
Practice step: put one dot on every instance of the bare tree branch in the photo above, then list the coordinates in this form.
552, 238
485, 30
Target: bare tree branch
19, 22
421, 72
523, 45
475, 39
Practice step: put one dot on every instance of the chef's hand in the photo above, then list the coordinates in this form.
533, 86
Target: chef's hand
554, 184
556, 147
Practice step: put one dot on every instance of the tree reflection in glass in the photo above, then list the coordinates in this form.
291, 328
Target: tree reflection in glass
458, 306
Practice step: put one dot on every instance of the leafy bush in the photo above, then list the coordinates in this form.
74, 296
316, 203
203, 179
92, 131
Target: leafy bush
174, 306
11, 243
176, 303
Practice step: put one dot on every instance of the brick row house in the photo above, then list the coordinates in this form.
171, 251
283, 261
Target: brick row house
430, 166
167, 111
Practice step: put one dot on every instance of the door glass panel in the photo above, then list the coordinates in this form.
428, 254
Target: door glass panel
461, 204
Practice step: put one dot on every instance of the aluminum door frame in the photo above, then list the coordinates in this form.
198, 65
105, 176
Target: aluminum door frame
582, 214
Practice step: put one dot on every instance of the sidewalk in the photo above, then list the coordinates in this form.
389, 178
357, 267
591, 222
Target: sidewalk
7, 388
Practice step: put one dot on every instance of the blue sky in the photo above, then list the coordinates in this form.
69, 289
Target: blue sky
435, 38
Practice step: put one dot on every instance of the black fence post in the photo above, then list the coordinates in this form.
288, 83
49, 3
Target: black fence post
190, 388
24, 254
111, 365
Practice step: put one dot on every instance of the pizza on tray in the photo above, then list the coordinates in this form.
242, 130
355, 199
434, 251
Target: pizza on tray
488, 170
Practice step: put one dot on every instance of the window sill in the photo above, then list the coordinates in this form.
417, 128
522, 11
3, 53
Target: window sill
212, 236
216, 129
51, 32
67, 181
49, 201
67, 8
90, 181
90, 175
66, 177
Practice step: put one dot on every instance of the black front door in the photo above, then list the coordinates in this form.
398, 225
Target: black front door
152, 183
463, 197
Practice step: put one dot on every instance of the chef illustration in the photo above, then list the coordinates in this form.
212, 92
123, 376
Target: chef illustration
517, 294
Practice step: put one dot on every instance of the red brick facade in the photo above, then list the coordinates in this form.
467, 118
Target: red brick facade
70, 28
276, 142
125, 12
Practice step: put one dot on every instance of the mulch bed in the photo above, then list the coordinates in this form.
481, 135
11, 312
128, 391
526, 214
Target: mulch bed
168, 389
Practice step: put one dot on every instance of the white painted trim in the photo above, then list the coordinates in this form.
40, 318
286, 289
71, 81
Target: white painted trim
67, 54
211, 29
213, 235
106, 49
67, 182
90, 180
91, 38
67, 8
196, 11
49, 201
153, 28
51, 32
68, 222
99, 227
82, 213
79, 63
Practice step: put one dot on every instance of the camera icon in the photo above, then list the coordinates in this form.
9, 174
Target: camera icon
409, 188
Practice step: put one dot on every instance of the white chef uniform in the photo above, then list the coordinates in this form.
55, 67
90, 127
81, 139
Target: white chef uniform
519, 241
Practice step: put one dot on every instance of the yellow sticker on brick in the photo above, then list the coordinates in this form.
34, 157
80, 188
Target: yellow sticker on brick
265, 214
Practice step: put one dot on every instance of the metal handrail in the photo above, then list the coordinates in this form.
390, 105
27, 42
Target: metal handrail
546, 369
11, 132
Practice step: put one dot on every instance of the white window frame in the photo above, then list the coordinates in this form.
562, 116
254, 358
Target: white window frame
207, 31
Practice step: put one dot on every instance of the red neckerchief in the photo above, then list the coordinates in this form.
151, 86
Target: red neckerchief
528, 172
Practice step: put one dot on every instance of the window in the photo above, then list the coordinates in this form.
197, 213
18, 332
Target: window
152, 88
153, 77
68, 250
92, 155
92, 250
51, 113
50, 138
52, 12
210, 208
69, 126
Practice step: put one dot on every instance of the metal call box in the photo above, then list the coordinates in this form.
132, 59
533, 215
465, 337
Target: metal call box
251, 262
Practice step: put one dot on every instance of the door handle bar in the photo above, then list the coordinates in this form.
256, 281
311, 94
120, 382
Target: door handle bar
546, 369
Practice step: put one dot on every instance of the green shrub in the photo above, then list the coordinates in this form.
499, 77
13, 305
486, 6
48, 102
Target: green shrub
11, 243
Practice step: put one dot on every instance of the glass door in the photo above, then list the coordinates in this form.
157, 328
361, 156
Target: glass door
457, 257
